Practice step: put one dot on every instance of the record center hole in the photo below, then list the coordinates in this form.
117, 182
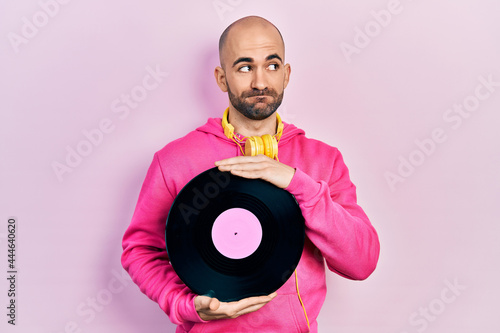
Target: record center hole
235, 233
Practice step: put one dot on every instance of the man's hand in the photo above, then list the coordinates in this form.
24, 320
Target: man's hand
211, 308
259, 166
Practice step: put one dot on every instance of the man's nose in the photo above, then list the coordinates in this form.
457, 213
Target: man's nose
259, 80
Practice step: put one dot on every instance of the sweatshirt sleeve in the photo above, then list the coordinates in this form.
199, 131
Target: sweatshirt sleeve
144, 252
335, 223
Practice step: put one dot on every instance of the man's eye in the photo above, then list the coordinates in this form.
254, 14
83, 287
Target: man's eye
244, 69
273, 67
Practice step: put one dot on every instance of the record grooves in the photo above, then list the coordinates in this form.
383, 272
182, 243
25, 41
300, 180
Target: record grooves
194, 251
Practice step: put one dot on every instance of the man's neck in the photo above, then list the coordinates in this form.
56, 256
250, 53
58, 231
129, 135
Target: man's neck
248, 127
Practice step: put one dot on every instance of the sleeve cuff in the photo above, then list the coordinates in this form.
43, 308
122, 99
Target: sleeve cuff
303, 187
189, 313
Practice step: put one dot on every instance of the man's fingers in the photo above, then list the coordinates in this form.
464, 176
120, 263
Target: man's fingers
240, 159
201, 302
251, 302
259, 166
211, 308
249, 168
214, 304
250, 174
263, 301
249, 309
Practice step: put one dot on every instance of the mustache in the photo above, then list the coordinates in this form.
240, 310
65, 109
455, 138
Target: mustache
258, 92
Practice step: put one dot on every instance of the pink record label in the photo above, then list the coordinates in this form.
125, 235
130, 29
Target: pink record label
236, 233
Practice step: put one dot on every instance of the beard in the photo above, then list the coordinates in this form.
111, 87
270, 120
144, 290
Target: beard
253, 110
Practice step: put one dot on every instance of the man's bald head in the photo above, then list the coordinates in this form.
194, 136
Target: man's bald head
245, 24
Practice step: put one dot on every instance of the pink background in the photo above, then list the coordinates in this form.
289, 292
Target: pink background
381, 105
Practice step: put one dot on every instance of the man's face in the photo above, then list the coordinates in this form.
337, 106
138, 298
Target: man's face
255, 74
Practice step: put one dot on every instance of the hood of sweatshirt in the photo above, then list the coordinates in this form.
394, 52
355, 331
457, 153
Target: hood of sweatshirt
214, 126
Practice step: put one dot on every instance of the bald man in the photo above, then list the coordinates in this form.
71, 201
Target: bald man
254, 74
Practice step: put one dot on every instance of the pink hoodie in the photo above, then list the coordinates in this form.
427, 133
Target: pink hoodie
337, 230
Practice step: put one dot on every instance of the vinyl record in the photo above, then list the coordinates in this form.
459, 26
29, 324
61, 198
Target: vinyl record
230, 237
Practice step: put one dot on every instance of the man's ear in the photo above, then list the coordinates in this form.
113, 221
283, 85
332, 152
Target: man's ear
288, 70
220, 78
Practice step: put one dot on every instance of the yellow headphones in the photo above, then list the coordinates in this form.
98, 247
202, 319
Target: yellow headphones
254, 145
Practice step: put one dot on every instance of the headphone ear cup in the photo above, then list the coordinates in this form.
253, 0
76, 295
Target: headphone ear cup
254, 146
270, 146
